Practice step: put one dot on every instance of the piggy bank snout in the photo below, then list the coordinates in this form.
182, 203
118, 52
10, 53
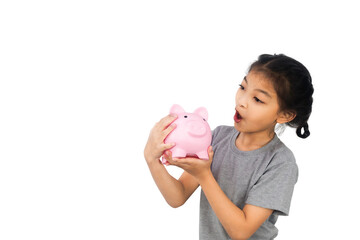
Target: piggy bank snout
196, 128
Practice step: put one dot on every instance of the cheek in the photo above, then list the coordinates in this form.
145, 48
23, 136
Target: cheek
261, 115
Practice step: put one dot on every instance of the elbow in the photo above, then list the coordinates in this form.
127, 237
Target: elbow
175, 204
240, 235
241, 232
241, 238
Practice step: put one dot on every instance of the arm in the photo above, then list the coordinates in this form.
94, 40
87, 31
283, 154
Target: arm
175, 192
239, 224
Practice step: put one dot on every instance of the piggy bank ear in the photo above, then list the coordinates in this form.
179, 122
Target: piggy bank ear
176, 109
202, 112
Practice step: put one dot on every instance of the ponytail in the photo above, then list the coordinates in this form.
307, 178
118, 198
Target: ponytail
306, 132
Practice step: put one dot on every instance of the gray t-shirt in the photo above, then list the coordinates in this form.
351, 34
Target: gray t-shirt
264, 177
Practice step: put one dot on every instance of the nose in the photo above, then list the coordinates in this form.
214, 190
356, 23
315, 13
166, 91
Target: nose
196, 128
241, 101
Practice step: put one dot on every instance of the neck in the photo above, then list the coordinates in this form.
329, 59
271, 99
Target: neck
252, 141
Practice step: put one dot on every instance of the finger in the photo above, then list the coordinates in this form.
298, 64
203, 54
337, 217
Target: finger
166, 121
166, 146
164, 160
168, 130
210, 152
179, 163
184, 161
176, 161
168, 157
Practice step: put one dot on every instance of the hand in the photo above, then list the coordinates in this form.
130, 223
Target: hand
155, 145
199, 168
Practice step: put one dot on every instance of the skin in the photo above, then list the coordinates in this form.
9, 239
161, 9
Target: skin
260, 114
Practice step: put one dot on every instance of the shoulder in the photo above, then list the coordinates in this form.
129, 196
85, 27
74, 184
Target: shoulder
283, 154
283, 159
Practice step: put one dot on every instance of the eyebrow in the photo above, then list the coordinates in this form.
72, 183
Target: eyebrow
259, 90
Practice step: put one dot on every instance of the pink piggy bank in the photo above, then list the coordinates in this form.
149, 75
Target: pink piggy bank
192, 134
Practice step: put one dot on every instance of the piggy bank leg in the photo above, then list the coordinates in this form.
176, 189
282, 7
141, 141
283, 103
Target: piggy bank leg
203, 155
178, 153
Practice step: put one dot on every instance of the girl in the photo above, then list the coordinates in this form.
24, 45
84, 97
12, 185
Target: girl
250, 176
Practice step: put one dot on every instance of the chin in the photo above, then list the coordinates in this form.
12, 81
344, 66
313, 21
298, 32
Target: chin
236, 126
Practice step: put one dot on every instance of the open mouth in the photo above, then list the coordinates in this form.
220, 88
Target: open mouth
237, 117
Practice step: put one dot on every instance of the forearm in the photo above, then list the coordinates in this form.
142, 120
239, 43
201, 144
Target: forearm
171, 189
231, 217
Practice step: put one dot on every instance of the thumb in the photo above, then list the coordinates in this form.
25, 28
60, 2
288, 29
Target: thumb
210, 152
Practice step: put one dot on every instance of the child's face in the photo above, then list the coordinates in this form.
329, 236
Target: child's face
256, 104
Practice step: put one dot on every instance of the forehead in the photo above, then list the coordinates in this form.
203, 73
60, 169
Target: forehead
259, 80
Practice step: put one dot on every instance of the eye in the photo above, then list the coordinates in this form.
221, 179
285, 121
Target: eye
258, 100
204, 119
241, 87
185, 116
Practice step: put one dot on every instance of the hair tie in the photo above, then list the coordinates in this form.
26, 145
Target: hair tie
306, 131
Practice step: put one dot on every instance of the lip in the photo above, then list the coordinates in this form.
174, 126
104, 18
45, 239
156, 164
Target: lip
237, 117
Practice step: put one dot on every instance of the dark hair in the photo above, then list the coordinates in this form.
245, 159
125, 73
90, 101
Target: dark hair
293, 85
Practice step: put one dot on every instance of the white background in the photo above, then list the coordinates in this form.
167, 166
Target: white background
83, 82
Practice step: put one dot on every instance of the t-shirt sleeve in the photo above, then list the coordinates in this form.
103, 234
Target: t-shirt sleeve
275, 187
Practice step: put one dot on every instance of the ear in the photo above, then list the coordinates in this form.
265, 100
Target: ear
285, 117
202, 112
176, 109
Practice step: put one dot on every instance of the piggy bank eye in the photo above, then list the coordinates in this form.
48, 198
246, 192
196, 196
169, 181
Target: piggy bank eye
185, 116
204, 119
